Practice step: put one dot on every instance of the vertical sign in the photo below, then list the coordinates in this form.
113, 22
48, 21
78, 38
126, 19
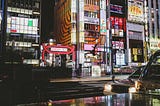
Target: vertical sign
73, 21
103, 29
81, 21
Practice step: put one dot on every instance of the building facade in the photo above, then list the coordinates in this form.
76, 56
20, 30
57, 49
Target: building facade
97, 29
125, 31
152, 27
79, 25
21, 31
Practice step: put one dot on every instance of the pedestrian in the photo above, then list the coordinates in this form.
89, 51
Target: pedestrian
79, 70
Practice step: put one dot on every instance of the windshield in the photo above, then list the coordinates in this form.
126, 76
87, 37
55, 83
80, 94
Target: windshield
137, 72
154, 69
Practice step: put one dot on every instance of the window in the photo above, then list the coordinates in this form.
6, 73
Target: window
154, 70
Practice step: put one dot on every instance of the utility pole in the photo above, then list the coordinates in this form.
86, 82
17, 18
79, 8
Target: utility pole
109, 53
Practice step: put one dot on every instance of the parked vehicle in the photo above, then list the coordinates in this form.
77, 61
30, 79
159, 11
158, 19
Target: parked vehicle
146, 81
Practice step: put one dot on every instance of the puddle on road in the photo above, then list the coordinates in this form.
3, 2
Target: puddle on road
110, 100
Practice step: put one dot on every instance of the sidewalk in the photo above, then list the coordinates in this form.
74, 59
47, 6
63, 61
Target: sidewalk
89, 78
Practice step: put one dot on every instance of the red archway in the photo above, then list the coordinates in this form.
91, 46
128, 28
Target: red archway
58, 49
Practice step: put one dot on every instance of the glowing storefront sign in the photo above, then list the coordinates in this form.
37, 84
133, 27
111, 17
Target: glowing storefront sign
120, 57
18, 44
73, 6
118, 45
135, 10
91, 20
57, 49
81, 21
154, 43
103, 21
118, 26
135, 35
116, 9
91, 7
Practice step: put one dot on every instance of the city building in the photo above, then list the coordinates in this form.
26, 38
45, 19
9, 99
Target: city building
97, 29
78, 24
106, 33
136, 38
118, 14
20, 38
152, 28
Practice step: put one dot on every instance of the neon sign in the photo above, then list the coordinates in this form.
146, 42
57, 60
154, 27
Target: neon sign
135, 10
116, 8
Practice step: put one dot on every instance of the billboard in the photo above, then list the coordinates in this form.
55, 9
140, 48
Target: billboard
116, 9
154, 43
117, 26
135, 10
22, 25
103, 21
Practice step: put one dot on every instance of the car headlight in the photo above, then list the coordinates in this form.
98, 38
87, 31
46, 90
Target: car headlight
135, 88
108, 87
132, 90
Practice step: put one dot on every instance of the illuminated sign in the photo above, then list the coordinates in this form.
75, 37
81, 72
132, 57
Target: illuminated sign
90, 47
120, 57
81, 21
154, 43
91, 7
19, 10
103, 21
57, 49
118, 45
91, 20
116, 9
73, 6
118, 26
22, 25
135, 35
18, 44
135, 10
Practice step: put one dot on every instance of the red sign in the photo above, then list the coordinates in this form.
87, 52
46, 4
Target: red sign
57, 49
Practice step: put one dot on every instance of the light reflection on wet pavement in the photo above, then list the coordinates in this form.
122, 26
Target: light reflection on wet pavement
110, 100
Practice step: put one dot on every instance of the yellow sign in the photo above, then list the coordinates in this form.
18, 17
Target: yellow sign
135, 57
134, 51
93, 8
135, 10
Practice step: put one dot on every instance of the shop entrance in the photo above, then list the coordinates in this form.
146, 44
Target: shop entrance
59, 57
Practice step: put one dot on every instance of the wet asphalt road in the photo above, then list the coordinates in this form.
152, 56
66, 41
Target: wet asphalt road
105, 100
25, 93
83, 93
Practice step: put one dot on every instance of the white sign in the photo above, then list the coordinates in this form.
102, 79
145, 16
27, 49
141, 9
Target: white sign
59, 49
96, 71
120, 58
91, 20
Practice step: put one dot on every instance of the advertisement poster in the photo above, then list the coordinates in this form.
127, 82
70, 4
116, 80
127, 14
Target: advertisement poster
120, 58
103, 26
135, 10
96, 71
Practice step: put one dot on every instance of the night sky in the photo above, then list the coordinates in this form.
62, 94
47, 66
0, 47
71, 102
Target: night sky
47, 17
